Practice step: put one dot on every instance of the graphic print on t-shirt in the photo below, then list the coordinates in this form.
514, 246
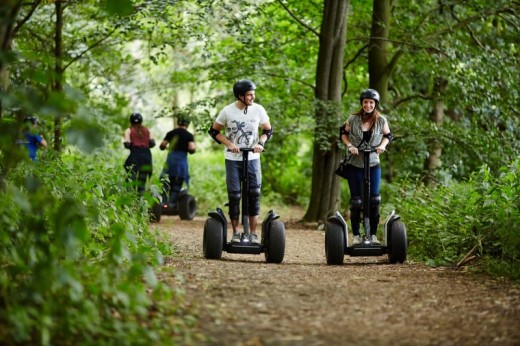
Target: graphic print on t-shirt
241, 132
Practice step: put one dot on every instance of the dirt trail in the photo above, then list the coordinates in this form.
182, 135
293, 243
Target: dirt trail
241, 300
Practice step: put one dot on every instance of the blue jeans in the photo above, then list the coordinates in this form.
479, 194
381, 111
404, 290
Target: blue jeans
234, 174
355, 184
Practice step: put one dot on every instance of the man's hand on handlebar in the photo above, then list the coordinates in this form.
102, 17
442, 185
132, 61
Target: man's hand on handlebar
233, 148
258, 148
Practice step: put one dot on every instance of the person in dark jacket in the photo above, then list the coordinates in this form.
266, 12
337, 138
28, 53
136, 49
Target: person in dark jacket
137, 139
180, 142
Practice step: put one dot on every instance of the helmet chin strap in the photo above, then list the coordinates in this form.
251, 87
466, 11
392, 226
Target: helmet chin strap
245, 109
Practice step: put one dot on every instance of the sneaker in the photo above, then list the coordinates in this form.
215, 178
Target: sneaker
254, 239
357, 239
235, 238
374, 240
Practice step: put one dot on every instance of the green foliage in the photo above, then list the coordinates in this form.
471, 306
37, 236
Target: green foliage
78, 259
478, 217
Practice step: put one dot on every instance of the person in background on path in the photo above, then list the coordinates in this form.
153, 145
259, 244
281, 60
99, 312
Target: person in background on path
32, 139
180, 142
370, 127
241, 120
137, 139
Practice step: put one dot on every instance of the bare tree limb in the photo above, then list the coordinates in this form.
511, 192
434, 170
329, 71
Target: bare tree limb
24, 20
357, 55
411, 97
298, 20
92, 46
402, 43
471, 33
464, 22
293, 79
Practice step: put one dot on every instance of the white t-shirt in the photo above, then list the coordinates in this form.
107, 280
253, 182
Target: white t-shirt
242, 129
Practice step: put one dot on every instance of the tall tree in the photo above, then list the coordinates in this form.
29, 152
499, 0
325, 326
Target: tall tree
8, 13
329, 74
379, 68
57, 85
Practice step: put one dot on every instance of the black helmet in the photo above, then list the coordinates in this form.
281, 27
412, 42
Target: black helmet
31, 119
243, 86
369, 94
183, 121
136, 118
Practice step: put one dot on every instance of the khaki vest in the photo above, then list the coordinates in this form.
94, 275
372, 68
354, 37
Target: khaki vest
356, 137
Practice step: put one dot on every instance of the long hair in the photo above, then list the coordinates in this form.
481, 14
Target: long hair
370, 118
138, 129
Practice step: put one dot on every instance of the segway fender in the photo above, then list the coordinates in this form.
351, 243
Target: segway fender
219, 215
339, 220
388, 222
269, 218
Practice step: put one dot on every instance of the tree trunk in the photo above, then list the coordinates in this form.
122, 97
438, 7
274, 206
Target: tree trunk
8, 12
57, 86
433, 162
378, 67
329, 74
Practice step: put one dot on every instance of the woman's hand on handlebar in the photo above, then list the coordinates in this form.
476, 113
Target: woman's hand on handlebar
353, 150
380, 149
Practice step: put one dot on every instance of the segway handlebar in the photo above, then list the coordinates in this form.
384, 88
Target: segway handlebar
249, 150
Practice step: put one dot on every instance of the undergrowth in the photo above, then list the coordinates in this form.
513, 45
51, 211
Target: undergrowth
464, 222
78, 260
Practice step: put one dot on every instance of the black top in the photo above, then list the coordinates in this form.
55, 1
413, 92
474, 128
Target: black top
179, 139
367, 135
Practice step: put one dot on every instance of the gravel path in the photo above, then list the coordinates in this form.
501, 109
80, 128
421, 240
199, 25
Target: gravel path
241, 300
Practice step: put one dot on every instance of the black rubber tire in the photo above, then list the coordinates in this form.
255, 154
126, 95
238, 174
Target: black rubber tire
275, 246
156, 212
213, 239
334, 244
397, 242
187, 207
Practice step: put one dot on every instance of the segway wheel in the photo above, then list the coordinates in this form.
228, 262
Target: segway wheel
334, 244
187, 207
397, 243
213, 239
275, 245
156, 212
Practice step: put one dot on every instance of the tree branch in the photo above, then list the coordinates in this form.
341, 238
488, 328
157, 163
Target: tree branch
411, 97
293, 79
359, 52
298, 20
92, 46
466, 21
24, 20
403, 43
471, 33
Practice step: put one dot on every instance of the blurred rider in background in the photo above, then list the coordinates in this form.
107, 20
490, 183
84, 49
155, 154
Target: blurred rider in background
137, 139
179, 142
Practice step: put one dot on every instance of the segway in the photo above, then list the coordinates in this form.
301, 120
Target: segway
186, 206
273, 230
337, 242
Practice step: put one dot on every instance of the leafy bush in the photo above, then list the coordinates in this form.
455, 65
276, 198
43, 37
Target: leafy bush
479, 217
78, 260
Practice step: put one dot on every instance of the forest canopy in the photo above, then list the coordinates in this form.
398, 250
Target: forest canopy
76, 243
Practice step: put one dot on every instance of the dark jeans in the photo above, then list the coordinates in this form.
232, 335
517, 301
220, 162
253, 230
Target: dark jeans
234, 174
355, 184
